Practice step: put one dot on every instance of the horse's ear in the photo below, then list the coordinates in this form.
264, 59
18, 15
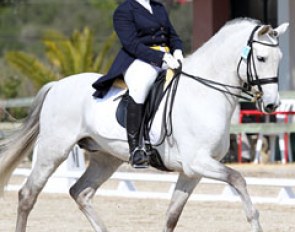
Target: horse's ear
280, 29
264, 29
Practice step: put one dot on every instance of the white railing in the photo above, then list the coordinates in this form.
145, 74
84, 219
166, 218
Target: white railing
17, 102
127, 187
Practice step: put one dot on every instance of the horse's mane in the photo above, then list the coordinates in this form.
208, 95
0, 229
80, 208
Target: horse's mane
235, 26
232, 27
242, 21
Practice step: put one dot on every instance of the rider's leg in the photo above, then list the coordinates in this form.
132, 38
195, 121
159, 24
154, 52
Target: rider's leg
138, 90
139, 77
138, 157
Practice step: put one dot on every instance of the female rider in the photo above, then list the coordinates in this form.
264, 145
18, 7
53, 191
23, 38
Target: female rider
149, 44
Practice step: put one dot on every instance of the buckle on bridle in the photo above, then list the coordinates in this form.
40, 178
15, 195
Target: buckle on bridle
247, 87
257, 96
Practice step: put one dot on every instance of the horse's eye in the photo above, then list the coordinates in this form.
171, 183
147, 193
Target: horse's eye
261, 58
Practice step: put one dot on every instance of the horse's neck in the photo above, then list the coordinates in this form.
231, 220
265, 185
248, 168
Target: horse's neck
215, 61
219, 68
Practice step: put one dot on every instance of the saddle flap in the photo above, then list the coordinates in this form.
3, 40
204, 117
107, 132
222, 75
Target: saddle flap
153, 100
121, 111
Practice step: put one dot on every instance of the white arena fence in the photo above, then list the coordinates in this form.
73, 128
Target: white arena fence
125, 184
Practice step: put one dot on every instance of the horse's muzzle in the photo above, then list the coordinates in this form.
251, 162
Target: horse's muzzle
266, 108
270, 108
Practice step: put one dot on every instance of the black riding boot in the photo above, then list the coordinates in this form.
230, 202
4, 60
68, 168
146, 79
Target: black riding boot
138, 157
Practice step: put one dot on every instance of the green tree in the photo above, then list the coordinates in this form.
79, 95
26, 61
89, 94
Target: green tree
65, 56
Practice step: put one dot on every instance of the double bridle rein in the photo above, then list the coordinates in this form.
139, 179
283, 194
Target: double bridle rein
252, 80
252, 76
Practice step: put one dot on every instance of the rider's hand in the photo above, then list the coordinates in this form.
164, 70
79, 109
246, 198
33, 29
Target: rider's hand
171, 61
177, 54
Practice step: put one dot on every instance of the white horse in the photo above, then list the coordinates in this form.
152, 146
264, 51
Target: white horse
64, 113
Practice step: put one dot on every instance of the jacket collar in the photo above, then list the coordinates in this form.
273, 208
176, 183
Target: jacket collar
157, 13
137, 5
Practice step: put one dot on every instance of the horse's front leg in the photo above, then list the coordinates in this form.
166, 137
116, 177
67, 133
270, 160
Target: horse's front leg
238, 182
183, 189
210, 168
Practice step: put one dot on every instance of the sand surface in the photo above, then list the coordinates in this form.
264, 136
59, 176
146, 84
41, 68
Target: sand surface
58, 212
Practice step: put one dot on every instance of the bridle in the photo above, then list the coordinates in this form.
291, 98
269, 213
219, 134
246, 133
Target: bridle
252, 76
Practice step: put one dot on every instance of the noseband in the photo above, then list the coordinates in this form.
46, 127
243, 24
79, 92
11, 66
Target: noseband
252, 76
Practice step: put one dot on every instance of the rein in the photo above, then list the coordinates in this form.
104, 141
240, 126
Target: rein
213, 84
246, 88
252, 79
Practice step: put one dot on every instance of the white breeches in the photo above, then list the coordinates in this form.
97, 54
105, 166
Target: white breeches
139, 77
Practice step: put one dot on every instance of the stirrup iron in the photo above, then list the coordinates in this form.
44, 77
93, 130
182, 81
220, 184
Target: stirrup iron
142, 161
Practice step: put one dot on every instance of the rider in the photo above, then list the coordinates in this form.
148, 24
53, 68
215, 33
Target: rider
149, 40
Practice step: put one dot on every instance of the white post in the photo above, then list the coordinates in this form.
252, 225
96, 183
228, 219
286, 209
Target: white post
287, 67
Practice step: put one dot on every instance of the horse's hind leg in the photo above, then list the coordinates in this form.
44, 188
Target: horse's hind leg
213, 169
49, 158
183, 189
101, 167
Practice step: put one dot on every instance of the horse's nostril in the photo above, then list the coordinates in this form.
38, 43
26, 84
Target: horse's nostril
270, 108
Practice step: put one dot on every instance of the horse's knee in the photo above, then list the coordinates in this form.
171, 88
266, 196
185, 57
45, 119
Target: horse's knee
236, 179
254, 215
26, 199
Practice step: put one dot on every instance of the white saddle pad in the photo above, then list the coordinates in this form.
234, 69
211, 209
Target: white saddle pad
106, 123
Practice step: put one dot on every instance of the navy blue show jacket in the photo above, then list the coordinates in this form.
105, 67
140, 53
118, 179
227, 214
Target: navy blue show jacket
138, 30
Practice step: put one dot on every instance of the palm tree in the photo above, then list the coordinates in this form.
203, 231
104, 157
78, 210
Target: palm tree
30, 66
65, 56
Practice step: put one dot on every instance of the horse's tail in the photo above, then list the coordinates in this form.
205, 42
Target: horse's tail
17, 146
